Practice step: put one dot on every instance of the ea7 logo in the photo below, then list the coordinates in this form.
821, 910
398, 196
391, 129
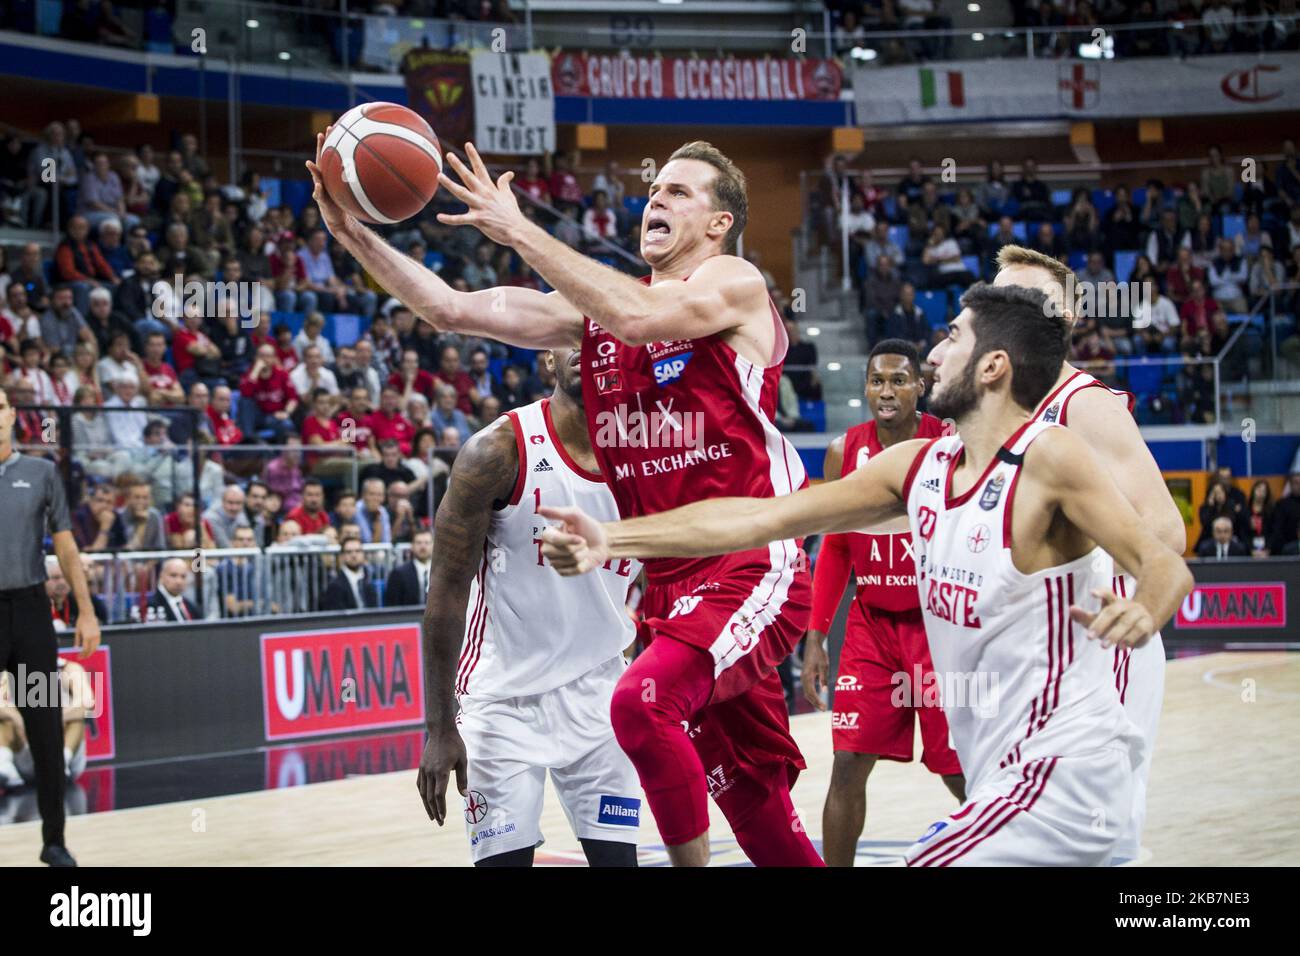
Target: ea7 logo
847, 682
844, 721
685, 605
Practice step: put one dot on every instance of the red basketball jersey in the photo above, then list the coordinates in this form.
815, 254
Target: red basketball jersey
679, 421
883, 567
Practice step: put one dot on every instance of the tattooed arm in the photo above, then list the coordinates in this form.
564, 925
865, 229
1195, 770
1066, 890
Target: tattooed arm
481, 480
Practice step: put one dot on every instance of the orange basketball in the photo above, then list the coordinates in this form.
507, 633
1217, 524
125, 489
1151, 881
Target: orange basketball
381, 162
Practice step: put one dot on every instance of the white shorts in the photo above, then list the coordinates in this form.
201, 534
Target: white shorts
72, 766
1053, 811
1141, 682
512, 743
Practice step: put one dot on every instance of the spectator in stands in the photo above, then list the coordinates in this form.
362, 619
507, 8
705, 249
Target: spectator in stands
788, 418
1165, 241
1156, 320
1204, 241
445, 413
168, 602
1048, 242
1180, 278
289, 277
1031, 194
1228, 277
349, 372
1190, 207
234, 347
881, 244
511, 391
1217, 181
254, 264
911, 187
283, 475
237, 577
532, 184
139, 525
994, 191
354, 424
402, 512
126, 426
1222, 542
101, 196
349, 589
51, 154
408, 583
450, 373
14, 184
32, 374
145, 302
906, 320
268, 398
801, 363
160, 383
18, 320
119, 363
564, 184
969, 227
388, 421
79, 262
599, 221
1266, 277
345, 509
1120, 228
943, 261
109, 241
262, 512
1217, 504
196, 356
223, 427
135, 195
225, 516
390, 467
372, 516
479, 273
180, 527
319, 429
1255, 524
30, 275
1197, 311
318, 269
926, 212
1082, 224
410, 379
1252, 239
93, 520
312, 375
310, 514
63, 325
880, 293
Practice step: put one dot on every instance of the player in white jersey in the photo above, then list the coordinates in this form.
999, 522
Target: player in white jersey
1011, 587
540, 655
1102, 416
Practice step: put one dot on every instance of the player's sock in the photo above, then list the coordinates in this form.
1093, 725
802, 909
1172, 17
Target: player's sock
609, 853
763, 818
9, 776
660, 692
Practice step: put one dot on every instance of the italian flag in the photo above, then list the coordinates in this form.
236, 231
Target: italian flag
935, 92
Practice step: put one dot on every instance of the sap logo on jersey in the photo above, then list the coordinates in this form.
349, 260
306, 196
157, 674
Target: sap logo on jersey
934, 828
619, 811
670, 369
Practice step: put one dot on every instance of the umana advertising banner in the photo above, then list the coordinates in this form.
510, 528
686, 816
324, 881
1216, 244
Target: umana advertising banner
1077, 89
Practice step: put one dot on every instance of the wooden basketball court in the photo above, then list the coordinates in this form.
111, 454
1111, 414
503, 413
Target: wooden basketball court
1224, 786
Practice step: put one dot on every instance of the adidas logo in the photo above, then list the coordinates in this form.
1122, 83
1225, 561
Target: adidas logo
931, 484
542, 465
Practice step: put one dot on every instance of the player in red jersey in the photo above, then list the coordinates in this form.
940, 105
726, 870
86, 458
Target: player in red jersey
680, 376
885, 654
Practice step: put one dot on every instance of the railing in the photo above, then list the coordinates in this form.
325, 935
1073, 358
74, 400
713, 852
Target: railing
229, 583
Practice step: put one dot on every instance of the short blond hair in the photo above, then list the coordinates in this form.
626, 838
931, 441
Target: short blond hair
730, 191
1061, 274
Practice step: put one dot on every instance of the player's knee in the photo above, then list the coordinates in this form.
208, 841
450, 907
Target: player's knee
631, 718
849, 771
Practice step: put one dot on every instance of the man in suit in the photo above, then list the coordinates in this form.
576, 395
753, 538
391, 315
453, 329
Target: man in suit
1221, 543
168, 601
349, 589
408, 584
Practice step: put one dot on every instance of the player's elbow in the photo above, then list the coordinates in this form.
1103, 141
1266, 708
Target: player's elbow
1171, 530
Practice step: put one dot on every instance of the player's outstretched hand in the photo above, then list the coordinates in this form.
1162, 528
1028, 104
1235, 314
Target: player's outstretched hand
336, 219
443, 753
578, 545
1120, 621
493, 209
816, 665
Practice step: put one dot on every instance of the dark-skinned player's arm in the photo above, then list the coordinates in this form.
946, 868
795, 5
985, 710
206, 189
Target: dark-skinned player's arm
723, 292
871, 495
830, 577
482, 478
1107, 427
523, 317
1071, 476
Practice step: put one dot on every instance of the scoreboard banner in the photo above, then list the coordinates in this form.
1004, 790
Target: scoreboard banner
1077, 89
624, 76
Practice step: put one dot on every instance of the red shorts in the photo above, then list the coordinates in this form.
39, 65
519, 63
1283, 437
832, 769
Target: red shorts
749, 617
884, 675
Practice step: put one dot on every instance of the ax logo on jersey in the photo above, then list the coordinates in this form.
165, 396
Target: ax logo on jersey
842, 720
619, 811
992, 491
685, 605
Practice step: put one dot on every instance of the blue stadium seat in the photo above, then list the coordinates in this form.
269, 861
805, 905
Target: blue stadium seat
1061, 197
47, 267
934, 304
342, 328
49, 14
496, 367
1234, 224
813, 412
292, 319
271, 189
296, 193
899, 235
1103, 200
1145, 377
972, 263
1139, 197
890, 206
1077, 260
635, 204
1125, 260
1017, 229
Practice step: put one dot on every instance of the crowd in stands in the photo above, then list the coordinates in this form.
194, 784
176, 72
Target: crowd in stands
1238, 525
1196, 256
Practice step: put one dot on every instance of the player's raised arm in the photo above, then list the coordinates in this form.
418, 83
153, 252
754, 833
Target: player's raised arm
869, 496
485, 472
523, 317
1075, 479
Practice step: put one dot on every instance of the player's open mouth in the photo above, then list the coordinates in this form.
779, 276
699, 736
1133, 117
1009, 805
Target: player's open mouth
657, 229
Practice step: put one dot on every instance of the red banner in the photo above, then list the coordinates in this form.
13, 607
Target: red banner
623, 76
438, 88
333, 681
99, 726
1234, 605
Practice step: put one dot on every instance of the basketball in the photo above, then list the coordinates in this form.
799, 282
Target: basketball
381, 162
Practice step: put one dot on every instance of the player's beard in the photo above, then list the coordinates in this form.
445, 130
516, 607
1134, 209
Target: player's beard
956, 399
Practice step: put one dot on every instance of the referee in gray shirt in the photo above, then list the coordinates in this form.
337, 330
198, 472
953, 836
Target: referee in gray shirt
32, 504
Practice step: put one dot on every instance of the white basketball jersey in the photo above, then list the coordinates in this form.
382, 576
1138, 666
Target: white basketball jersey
527, 629
1018, 680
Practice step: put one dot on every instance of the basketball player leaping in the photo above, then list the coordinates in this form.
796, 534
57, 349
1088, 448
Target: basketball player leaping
1007, 520
884, 651
1103, 417
680, 375
540, 657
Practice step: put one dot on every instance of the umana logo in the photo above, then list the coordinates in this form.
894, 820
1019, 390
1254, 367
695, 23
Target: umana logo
542, 465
